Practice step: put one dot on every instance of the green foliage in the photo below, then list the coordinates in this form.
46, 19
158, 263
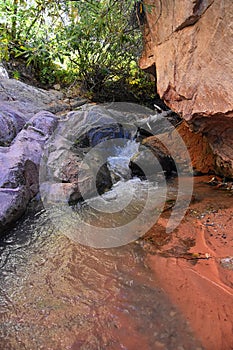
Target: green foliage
99, 42
16, 74
88, 41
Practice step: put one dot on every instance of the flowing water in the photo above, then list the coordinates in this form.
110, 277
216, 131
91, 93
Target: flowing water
57, 294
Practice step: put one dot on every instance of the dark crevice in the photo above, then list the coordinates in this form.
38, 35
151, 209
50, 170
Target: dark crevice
198, 10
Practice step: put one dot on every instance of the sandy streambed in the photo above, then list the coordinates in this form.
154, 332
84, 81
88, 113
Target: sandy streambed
194, 264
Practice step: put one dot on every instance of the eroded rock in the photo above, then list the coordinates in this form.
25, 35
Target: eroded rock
11, 122
202, 159
19, 163
188, 44
75, 161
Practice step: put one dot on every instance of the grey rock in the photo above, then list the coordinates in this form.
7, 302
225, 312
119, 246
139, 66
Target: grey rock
19, 175
94, 124
11, 122
29, 100
13, 204
3, 72
42, 122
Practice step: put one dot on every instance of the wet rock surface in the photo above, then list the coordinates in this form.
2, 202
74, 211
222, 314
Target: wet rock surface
188, 45
202, 159
64, 154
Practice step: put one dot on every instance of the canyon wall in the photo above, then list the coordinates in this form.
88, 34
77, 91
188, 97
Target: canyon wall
188, 44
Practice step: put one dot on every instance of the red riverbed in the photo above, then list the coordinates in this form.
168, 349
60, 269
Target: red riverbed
194, 265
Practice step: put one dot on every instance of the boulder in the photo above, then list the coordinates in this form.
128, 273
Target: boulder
13, 205
201, 161
29, 100
152, 159
188, 46
19, 163
11, 122
27, 121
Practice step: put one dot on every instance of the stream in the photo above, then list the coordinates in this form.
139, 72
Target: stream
58, 294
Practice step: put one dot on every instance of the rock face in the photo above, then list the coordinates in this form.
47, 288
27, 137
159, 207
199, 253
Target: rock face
189, 46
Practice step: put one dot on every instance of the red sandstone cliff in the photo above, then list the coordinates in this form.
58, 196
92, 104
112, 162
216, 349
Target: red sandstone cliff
190, 44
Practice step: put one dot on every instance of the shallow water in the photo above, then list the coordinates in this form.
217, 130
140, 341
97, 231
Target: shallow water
56, 294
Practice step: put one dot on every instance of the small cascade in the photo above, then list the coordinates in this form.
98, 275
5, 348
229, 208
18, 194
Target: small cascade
118, 164
128, 195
